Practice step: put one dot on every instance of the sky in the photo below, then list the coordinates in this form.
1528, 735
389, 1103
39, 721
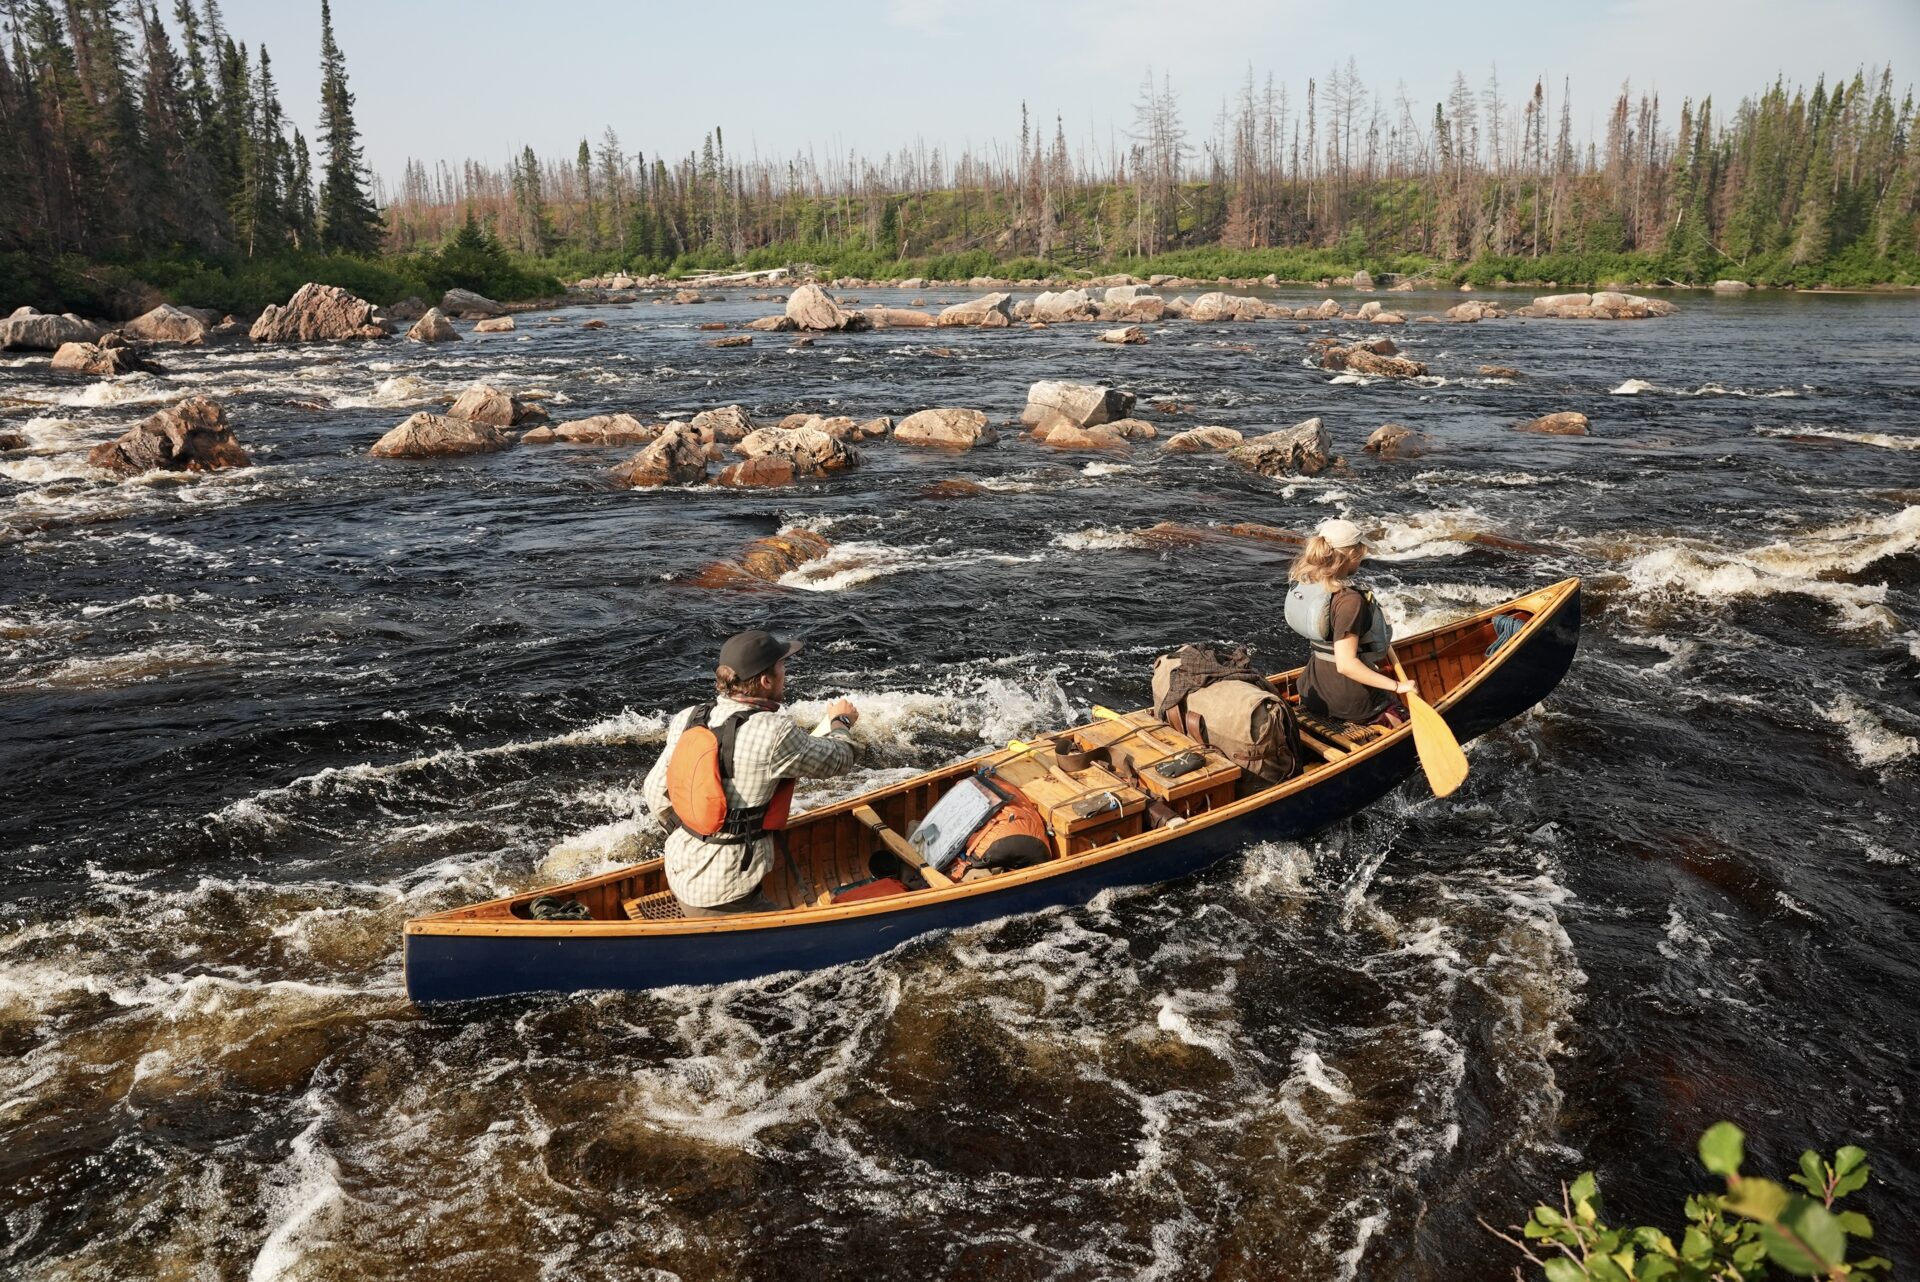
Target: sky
451, 79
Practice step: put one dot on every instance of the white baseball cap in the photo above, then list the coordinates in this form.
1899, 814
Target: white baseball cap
1340, 533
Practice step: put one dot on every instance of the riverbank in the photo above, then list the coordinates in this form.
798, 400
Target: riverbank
115, 291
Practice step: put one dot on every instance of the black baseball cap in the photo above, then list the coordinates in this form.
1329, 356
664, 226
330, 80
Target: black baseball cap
752, 652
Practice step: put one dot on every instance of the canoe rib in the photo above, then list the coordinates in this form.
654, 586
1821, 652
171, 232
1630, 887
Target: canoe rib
1472, 690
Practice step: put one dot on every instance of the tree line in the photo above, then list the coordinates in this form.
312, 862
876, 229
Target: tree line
115, 140
122, 141
1790, 185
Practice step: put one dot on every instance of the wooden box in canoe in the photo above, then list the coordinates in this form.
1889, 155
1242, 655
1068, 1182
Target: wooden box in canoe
635, 938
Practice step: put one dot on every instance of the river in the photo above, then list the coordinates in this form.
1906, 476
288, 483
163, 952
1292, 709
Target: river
251, 722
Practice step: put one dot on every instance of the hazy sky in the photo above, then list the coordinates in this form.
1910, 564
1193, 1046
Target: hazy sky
442, 80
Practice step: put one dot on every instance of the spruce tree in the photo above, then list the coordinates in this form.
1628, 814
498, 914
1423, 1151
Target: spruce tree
348, 220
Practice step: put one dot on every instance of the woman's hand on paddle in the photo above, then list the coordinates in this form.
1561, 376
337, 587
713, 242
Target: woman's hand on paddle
1405, 687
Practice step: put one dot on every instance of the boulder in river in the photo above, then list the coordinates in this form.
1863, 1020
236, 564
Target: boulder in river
678, 456
990, 311
1054, 307
495, 325
728, 423
814, 448
898, 318
811, 307
1063, 435
872, 429
1731, 287
433, 327
29, 330
1132, 335
192, 436
600, 429
736, 340
1362, 361
410, 308
1498, 371
1393, 441
1362, 279
101, 360
318, 314
485, 403
1604, 305
1304, 449
1198, 440
1474, 309
1084, 404
948, 428
1564, 423
12, 441
776, 324
426, 435
169, 324
468, 305
1328, 309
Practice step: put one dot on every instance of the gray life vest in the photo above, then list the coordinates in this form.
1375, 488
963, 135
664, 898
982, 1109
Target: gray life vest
1310, 613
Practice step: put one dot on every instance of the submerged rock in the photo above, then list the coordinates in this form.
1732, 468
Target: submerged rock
1132, 334
1062, 435
1304, 449
737, 340
318, 314
1564, 423
1198, 440
765, 560
678, 456
439, 436
433, 327
1498, 371
954, 488
192, 436
948, 428
1393, 441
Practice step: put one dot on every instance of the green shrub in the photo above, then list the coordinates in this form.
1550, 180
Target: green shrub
1755, 1224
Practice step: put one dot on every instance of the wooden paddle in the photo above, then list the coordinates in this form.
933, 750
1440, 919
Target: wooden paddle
1440, 754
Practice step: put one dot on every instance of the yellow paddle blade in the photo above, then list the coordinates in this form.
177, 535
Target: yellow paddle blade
1017, 745
1104, 714
1440, 754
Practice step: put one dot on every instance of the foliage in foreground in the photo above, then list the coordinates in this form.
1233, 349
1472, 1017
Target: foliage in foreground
1737, 1235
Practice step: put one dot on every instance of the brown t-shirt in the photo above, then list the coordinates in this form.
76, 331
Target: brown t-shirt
1323, 691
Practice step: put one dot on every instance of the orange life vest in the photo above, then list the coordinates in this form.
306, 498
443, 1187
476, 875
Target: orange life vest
697, 772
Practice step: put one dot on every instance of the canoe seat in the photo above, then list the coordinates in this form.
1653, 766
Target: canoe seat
1341, 734
659, 906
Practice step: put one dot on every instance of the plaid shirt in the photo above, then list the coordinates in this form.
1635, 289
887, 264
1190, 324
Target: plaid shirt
768, 748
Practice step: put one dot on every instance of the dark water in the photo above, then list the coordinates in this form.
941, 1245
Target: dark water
249, 723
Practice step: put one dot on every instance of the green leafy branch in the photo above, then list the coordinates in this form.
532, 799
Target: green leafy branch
1730, 1237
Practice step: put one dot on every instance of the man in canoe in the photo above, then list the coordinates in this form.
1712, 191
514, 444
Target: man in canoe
723, 788
1348, 632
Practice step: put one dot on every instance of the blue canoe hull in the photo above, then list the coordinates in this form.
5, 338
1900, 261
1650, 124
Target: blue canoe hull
459, 967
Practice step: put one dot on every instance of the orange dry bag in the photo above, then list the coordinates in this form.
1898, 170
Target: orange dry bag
701, 764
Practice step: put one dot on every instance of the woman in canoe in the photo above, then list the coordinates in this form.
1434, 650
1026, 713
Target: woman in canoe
1347, 629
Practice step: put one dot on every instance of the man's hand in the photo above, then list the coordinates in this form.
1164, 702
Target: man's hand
843, 709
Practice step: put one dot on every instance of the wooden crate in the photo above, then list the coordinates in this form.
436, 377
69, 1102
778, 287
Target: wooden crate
1139, 740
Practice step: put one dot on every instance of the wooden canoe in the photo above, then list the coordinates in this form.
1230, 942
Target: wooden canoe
635, 939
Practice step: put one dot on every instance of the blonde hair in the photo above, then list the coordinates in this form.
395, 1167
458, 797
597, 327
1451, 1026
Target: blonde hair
1321, 562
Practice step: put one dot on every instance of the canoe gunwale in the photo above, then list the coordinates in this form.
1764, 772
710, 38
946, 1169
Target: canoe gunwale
1545, 603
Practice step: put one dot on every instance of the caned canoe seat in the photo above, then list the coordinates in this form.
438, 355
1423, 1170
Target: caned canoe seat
659, 906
